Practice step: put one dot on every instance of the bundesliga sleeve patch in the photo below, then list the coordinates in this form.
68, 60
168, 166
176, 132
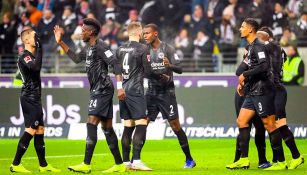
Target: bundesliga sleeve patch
108, 53
261, 55
27, 59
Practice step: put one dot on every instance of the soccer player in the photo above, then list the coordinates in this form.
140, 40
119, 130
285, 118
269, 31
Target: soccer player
97, 57
160, 95
259, 99
30, 63
256, 121
278, 56
133, 56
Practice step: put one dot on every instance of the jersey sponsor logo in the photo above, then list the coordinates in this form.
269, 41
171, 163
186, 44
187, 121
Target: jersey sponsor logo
148, 58
161, 55
261, 55
108, 53
156, 66
27, 59
130, 49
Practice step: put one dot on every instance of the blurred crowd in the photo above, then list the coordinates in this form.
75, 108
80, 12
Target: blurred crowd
196, 28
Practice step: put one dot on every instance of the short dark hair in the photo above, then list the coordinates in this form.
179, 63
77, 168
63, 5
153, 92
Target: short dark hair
153, 26
93, 23
253, 23
266, 30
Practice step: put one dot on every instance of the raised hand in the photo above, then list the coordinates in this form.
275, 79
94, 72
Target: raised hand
58, 32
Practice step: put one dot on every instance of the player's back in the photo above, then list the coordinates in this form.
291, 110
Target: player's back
30, 76
132, 56
277, 57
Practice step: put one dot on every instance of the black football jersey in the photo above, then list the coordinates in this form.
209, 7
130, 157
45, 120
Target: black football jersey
97, 58
29, 67
258, 68
157, 66
134, 63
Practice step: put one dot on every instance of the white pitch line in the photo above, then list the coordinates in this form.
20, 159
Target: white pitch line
54, 157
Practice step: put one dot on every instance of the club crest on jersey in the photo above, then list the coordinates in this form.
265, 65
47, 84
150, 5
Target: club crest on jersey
148, 58
27, 59
161, 55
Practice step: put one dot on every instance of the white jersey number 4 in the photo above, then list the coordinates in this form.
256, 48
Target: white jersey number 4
125, 63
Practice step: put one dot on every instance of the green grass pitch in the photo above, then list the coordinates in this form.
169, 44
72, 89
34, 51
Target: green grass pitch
164, 156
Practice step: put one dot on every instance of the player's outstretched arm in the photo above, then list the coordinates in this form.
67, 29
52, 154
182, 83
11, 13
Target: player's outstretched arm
58, 32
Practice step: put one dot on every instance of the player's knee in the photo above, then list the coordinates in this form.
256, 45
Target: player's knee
31, 131
176, 128
93, 120
175, 125
241, 123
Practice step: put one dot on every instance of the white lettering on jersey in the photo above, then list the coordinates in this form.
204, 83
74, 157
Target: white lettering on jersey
261, 55
108, 53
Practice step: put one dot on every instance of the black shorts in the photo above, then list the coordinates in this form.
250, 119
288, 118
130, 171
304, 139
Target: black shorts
280, 102
133, 107
101, 105
164, 103
32, 112
263, 105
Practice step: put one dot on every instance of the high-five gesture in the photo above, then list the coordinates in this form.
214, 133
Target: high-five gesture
58, 32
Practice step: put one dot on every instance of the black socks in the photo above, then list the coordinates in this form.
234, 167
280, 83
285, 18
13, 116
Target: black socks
39, 145
22, 147
126, 142
91, 141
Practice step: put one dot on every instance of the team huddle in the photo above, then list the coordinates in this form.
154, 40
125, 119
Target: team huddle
259, 89
131, 63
